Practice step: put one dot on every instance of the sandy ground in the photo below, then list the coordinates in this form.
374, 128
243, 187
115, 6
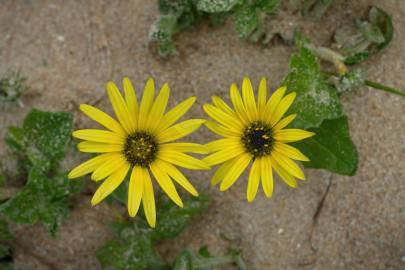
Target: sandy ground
69, 49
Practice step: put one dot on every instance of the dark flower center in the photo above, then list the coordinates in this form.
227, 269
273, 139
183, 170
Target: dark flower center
140, 149
257, 139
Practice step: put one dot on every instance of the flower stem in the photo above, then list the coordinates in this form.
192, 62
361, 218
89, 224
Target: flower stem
384, 88
374, 85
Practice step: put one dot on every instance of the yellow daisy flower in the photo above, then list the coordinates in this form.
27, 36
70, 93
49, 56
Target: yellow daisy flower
254, 132
141, 140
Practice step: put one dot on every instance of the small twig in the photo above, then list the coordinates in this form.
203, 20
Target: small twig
318, 211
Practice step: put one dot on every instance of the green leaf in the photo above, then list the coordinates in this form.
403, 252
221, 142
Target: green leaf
42, 199
43, 139
172, 220
4, 251
184, 261
132, 249
215, 6
246, 20
365, 38
162, 32
316, 99
331, 148
268, 6
5, 234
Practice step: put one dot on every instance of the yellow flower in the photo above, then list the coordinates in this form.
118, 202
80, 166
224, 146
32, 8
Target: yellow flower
254, 132
139, 141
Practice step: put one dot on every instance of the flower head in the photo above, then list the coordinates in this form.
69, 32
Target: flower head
138, 142
254, 132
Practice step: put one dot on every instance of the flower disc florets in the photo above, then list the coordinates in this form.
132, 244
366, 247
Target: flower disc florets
257, 139
140, 149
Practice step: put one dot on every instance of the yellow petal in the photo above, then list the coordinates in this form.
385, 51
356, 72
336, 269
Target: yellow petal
231, 122
217, 101
165, 183
267, 176
235, 171
221, 130
130, 98
179, 130
135, 191
146, 104
223, 155
290, 151
291, 135
288, 165
272, 104
110, 184
182, 160
284, 122
254, 179
94, 147
109, 167
158, 108
249, 100
176, 113
222, 171
285, 176
102, 118
148, 199
222, 144
96, 135
238, 104
120, 108
90, 165
185, 147
282, 107
177, 176
261, 99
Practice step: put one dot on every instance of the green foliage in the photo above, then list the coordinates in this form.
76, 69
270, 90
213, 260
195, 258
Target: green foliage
177, 15
43, 198
314, 8
134, 246
184, 261
331, 148
319, 110
162, 32
12, 85
366, 37
316, 99
349, 81
5, 249
216, 6
246, 20
42, 143
43, 139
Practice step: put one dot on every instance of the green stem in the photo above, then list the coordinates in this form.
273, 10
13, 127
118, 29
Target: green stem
384, 88
214, 261
374, 85
328, 55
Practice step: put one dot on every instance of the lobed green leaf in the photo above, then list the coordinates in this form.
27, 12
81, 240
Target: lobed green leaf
43, 139
316, 99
